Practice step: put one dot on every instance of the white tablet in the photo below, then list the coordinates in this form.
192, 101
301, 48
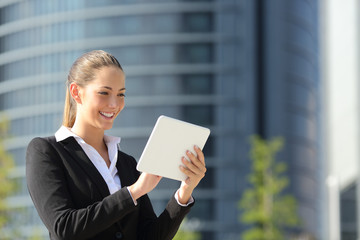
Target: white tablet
167, 144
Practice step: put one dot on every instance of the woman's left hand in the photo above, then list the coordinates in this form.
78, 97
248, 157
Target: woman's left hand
195, 170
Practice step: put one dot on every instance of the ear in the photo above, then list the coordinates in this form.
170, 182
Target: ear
75, 92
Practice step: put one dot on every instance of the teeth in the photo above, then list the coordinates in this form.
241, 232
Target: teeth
109, 115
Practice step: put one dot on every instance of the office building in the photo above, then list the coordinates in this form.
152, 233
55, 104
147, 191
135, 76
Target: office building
340, 61
237, 67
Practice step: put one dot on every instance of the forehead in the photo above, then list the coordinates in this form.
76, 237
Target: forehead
109, 76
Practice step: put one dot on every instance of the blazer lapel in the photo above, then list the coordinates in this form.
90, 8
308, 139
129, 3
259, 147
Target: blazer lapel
78, 154
123, 174
123, 171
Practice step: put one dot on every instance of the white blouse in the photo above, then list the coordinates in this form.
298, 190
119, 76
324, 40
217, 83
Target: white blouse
110, 175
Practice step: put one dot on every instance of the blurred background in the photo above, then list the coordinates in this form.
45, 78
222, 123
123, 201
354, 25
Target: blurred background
283, 68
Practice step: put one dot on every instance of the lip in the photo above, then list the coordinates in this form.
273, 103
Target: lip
107, 115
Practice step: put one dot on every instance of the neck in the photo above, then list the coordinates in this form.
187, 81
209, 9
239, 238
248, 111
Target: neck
92, 136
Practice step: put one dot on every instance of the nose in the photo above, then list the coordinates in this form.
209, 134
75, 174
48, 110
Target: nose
113, 102
116, 103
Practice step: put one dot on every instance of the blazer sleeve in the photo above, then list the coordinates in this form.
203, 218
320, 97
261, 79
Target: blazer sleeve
165, 226
47, 187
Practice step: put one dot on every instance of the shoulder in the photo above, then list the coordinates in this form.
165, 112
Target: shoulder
41, 145
41, 142
41, 153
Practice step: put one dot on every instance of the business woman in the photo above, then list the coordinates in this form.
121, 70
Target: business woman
82, 185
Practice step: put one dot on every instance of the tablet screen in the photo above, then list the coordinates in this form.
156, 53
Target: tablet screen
167, 144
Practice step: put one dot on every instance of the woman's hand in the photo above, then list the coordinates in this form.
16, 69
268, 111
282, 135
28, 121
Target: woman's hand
145, 184
195, 170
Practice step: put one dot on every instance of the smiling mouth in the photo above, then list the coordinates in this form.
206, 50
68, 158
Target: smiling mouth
108, 115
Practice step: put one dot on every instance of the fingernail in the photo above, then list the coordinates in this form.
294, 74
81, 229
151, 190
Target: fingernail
196, 147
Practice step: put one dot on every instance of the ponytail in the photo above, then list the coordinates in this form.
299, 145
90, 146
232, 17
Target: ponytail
69, 110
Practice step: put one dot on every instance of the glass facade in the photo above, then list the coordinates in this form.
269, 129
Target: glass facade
348, 218
192, 60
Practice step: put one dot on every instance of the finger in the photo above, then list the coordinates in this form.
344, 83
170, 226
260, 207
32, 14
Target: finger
187, 172
196, 161
200, 154
195, 171
189, 165
192, 178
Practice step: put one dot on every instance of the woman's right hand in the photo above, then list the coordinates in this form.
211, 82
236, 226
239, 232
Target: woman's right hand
145, 184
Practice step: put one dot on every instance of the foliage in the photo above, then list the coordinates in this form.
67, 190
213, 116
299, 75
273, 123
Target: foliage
264, 205
36, 235
183, 234
8, 186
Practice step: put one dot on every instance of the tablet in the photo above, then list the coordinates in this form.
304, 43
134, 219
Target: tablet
167, 144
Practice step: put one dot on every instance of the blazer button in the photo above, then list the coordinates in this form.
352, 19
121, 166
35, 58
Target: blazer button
118, 235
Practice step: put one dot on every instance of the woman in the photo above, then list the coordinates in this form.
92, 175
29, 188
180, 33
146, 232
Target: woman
82, 186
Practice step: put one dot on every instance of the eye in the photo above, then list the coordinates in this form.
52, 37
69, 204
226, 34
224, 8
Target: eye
121, 95
103, 93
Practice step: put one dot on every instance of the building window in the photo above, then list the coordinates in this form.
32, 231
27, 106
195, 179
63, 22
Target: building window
197, 84
197, 22
195, 53
199, 114
348, 216
204, 210
209, 149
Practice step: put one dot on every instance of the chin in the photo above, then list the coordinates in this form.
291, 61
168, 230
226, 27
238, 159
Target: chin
107, 127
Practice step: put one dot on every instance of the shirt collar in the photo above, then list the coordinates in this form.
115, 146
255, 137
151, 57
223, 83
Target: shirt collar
65, 132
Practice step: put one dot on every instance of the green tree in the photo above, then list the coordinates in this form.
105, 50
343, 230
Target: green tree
8, 186
264, 205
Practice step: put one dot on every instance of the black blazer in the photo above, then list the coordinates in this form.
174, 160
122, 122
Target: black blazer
74, 202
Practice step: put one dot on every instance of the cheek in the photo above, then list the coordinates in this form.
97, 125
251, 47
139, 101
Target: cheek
122, 104
95, 104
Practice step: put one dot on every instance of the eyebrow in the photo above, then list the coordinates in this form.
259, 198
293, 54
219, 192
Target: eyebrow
121, 89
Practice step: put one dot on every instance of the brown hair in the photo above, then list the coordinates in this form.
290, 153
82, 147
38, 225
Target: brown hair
81, 72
